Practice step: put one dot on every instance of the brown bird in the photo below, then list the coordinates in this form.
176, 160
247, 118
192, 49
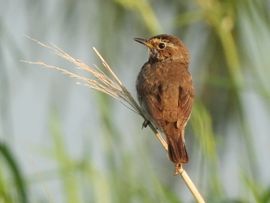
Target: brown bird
165, 91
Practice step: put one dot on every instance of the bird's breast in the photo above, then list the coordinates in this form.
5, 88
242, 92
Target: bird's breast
149, 78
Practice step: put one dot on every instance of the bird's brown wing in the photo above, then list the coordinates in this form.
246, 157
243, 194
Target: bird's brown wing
186, 94
175, 96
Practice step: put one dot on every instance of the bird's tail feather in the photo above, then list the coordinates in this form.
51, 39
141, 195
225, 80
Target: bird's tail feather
177, 150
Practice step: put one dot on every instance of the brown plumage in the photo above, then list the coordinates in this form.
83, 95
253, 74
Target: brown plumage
165, 91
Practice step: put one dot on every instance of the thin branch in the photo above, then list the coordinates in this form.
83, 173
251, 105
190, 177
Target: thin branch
192, 188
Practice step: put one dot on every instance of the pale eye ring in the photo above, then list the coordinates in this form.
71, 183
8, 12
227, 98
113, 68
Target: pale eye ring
161, 45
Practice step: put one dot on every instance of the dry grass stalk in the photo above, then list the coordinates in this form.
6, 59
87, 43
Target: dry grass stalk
111, 85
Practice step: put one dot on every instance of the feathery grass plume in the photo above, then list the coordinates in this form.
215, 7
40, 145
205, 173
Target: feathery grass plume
108, 83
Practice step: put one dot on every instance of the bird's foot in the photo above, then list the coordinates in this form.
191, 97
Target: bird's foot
178, 169
145, 123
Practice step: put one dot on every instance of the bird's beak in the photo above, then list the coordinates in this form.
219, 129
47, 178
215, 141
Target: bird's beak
144, 42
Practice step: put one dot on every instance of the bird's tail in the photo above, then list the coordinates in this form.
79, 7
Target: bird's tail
177, 150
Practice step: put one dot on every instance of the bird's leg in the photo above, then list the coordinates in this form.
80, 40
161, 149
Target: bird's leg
145, 123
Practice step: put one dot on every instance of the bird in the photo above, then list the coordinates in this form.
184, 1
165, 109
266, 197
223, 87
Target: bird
165, 92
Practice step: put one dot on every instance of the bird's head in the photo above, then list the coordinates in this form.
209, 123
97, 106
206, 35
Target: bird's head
165, 47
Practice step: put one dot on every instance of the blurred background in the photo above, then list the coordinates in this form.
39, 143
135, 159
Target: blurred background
61, 142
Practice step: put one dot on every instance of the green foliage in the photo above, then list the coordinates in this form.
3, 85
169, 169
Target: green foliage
145, 10
12, 185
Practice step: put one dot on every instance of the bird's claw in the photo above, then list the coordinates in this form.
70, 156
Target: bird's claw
145, 123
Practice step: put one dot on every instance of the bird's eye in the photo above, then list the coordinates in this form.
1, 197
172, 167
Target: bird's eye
161, 45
